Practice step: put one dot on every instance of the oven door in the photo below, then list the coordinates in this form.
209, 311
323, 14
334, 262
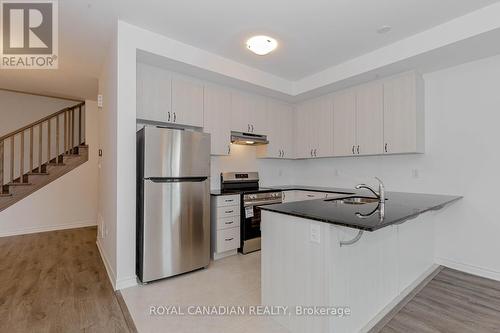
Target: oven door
250, 231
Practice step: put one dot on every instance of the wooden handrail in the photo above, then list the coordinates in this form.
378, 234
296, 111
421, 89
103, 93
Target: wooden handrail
40, 121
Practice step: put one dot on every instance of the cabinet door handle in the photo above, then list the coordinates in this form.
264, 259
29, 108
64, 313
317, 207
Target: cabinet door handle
168, 116
385, 147
229, 200
358, 149
310, 195
175, 116
353, 152
229, 222
229, 211
229, 239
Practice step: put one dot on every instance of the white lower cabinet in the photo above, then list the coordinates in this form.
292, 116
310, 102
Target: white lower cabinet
288, 196
299, 195
309, 195
225, 225
227, 240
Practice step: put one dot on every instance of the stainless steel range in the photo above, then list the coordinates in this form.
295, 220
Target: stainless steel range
252, 196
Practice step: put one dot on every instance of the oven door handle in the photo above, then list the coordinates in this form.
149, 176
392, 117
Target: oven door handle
262, 203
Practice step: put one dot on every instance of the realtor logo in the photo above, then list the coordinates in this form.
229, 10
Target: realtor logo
29, 34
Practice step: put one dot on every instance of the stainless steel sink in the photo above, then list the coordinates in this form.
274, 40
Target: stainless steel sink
355, 200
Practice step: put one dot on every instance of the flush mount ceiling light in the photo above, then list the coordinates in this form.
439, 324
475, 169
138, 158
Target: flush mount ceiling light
262, 45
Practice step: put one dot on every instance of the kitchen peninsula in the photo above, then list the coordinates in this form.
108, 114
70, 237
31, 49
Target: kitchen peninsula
347, 251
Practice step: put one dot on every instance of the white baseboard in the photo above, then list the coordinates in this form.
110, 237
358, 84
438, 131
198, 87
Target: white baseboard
466, 268
217, 256
126, 283
120, 283
389, 307
33, 230
109, 269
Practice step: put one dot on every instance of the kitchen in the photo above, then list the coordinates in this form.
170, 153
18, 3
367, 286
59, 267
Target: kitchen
324, 144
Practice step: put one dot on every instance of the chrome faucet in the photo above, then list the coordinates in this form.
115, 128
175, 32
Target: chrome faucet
381, 190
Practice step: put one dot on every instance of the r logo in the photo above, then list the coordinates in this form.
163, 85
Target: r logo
27, 28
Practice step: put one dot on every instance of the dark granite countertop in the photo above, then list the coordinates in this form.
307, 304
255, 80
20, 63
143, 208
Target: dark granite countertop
399, 207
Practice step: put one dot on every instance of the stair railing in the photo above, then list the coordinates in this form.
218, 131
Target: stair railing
72, 126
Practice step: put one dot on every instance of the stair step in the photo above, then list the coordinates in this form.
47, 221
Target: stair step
5, 195
34, 173
56, 164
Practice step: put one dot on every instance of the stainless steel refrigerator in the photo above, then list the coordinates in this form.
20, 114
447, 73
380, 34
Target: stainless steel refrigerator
173, 202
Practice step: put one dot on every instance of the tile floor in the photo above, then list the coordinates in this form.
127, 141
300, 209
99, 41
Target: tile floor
230, 281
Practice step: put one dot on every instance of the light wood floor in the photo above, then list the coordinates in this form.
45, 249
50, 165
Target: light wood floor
56, 282
452, 302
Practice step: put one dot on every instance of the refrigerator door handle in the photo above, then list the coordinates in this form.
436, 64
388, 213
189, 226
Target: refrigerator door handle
177, 179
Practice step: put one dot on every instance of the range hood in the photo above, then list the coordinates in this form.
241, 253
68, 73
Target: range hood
249, 139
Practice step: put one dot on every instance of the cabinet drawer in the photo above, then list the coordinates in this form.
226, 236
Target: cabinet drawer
228, 239
228, 211
309, 195
228, 222
228, 200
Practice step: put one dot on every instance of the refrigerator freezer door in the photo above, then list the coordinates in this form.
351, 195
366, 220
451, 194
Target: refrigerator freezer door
176, 228
176, 153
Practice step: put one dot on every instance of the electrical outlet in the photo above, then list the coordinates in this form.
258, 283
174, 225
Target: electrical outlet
315, 233
99, 101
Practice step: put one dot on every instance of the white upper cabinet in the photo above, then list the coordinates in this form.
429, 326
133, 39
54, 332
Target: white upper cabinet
248, 113
279, 130
322, 127
217, 112
303, 130
314, 128
154, 98
344, 123
187, 101
370, 119
403, 114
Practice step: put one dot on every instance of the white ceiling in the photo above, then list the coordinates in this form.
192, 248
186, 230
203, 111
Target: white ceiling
313, 34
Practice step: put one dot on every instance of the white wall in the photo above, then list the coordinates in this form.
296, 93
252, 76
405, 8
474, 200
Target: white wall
462, 157
18, 109
107, 188
68, 202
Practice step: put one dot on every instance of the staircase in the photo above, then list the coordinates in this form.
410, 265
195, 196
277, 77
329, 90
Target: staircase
39, 153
